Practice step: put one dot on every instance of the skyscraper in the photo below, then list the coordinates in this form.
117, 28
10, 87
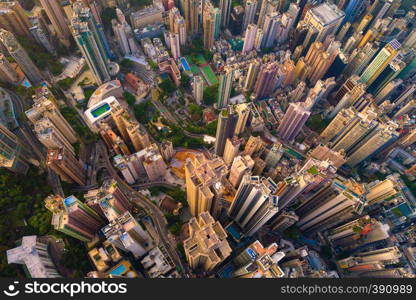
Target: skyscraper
73, 217
64, 163
14, 153
7, 71
91, 41
224, 87
324, 20
293, 121
33, 254
128, 235
334, 203
14, 19
175, 47
20, 56
252, 73
254, 203
249, 38
250, 10
227, 121
267, 7
384, 134
271, 27
58, 19
352, 10
204, 183
209, 24
380, 62
198, 89
241, 166
207, 245
266, 80
232, 147
190, 8
257, 261
225, 8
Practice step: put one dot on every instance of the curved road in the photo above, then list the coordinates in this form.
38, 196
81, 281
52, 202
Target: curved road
152, 209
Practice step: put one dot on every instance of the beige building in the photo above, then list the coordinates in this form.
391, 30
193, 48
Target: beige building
64, 163
253, 146
14, 19
58, 19
8, 73
232, 147
205, 183
241, 165
207, 245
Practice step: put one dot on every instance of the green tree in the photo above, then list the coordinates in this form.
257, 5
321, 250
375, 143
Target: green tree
130, 99
210, 94
107, 15
167, 86
185, 80
212, 128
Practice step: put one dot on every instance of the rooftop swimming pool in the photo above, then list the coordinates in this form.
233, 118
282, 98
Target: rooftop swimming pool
120, 270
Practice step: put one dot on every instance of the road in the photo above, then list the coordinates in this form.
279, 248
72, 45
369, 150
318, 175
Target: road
25, 130
152, 209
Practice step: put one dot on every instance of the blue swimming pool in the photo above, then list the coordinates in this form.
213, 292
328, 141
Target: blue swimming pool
185, 64
120, 270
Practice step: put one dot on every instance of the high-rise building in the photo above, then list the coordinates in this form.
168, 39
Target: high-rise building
293, 121
14, 19
153, 163
224, 87
198, 89
250, 9
225, 8
174, 42
138, 135
252, 73
380, 62
337, 201
359, 59
241, 166
50, 136
273, 155
20, 56
249, 38
91, 40
370, 260
284, 221
191, 11
267, 7
254, 203
128, 235
177, 24
73, 217
227, 121
231, 149
266, 80
7, 72
42, 38
204, 183
353, 10
271, 28
323, 152
243, 112
64, 163
33, 254
207, 245
253, 145
324, 20
257, 261
387, 76
58, 19
351, 235
209, 24
15, 155
348, 93
384, 134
